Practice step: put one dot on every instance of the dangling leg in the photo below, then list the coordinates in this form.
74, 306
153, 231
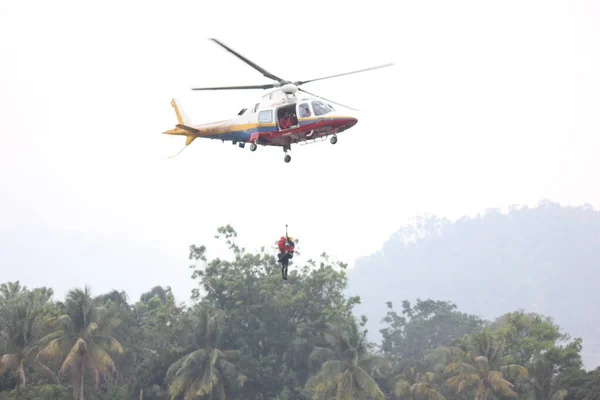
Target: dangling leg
281, 257
288, 256
284, 268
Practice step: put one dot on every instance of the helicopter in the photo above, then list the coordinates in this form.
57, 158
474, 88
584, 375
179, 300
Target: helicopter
282, 117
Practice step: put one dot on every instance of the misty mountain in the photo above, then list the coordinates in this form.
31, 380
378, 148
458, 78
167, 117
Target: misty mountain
544, 259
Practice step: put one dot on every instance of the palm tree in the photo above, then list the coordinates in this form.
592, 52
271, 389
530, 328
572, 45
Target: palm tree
20, 313
543, 382
483, 367
415, 385
546, 369
80, 343
117, 299
10, 290
205, 371
345, 360
158, 291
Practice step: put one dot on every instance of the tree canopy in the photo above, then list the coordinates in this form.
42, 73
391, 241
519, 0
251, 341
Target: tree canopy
248, 334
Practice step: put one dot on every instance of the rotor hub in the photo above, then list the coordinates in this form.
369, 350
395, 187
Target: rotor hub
289, 88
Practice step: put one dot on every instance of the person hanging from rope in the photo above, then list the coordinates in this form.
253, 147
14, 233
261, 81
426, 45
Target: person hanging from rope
286, 252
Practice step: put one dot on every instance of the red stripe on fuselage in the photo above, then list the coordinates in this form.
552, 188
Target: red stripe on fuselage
319, 127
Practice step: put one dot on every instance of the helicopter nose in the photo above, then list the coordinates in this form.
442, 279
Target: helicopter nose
344, 122
348, 121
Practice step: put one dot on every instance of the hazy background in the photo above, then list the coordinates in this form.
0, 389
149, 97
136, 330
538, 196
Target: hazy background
489, 104
541, 259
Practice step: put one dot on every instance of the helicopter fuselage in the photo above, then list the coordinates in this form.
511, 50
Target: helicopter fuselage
310, 118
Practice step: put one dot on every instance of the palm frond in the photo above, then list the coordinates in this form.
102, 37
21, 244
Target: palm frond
468, 381
330, 369
368, 384
183, 374
40, 367
90, 330
460, 367
319, 355
109, 344
62, 321
90, 366
177, 387
501, 385
482, 364
73, 358
344, 386
424, 390
102, 360
515, 369
402, 388
54, 335
8, 361
53, 349
226, 368
174, 368
559, 394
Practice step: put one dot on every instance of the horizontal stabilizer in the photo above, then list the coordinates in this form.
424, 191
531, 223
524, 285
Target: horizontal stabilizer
187, 128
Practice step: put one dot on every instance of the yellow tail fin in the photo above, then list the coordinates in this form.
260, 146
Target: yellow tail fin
183, 126
182, 119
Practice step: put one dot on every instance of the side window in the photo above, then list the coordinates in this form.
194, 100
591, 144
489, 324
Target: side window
319, 108
304, 110
265, 116
256, 107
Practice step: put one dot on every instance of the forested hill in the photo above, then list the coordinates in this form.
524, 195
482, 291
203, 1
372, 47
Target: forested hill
544, 259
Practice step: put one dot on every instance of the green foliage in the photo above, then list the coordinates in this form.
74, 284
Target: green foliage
583, 386
250, 335
40, 392
422, 327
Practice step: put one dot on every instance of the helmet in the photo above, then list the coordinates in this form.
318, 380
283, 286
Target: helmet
291, 239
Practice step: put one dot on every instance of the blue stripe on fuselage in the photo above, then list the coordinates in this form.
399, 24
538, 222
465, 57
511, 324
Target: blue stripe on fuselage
243, 135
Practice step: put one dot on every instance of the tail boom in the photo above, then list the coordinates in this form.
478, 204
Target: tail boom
185, 128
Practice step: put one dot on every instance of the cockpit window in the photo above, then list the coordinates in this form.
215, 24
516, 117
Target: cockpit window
320, 108
304, 110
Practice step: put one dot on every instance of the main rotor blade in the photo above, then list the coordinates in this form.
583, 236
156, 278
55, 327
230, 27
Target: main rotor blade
253, 65
346, 73
330, 101
267, 86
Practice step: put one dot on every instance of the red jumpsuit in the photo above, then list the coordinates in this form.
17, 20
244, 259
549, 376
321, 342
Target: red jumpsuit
284, 247
287, 252
281, 244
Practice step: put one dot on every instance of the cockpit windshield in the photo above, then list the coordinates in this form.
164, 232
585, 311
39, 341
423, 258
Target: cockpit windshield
321, 108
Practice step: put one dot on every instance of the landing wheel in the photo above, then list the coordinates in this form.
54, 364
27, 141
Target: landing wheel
253, 147
287, 158
333, 140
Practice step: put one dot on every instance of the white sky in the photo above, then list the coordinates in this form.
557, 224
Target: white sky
489, 104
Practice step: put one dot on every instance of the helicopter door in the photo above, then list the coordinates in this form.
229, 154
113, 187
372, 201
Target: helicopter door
287, 117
